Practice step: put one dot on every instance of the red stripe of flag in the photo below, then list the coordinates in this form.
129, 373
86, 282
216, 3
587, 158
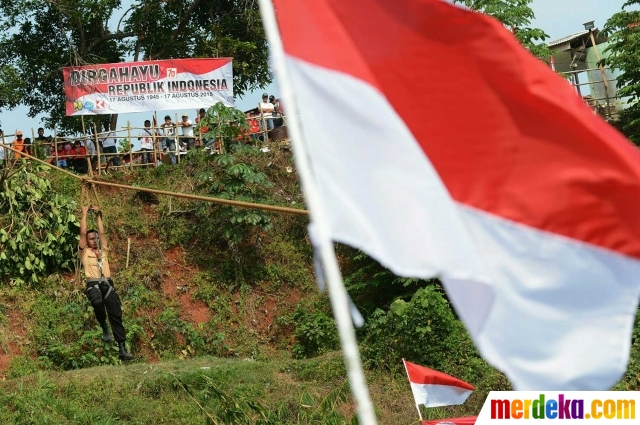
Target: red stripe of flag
481, 130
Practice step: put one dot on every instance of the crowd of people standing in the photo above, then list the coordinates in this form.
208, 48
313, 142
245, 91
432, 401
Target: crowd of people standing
163, 143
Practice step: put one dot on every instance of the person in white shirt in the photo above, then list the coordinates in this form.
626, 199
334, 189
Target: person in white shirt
169, 139
91, 147
266, 108
108, 141
146, 143
91, 150
187, 131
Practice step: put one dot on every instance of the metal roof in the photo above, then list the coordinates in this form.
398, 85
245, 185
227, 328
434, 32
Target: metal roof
570, 38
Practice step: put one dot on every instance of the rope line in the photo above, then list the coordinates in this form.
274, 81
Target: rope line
91, 181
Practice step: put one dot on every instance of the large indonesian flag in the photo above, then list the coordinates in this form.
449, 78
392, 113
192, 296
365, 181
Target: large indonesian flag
442, 147
433, 389
468, 420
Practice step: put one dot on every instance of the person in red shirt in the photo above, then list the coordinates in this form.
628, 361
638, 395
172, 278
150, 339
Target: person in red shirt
69, 150
203, 129
62, 156
79, 161
254, 127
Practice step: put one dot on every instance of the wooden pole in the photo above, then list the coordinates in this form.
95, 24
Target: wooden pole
602, 71
130, 145
5, 153
345, 315
95, 193
264, 124
220, 139
89, 166
100, 150
84, 140
128, 251
177, 141
97, 144
32, 148
84, 133
155, 138
175, 194
197, 135
55, 144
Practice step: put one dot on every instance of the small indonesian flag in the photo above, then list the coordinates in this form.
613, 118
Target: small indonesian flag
468, 420
432, 388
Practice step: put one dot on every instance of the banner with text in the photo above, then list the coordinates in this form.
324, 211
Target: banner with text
148, 86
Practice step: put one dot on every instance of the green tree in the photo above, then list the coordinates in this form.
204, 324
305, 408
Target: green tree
223, 123
38, 230
516, 15
231, 175
623, 30
9, 80
124, 145
423, 329
38, 38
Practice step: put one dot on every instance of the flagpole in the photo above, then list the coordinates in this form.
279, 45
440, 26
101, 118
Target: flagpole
323, 243
409, 378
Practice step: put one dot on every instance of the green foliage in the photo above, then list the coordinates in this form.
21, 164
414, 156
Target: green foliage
319, 369
21, 366
39, 150
223, 122
233, 176
9, 80
631, 379
67, 335
315, 332
139, 296
288, 262
189, 392
516, 15
240, 181
371, 285
240, 36
38, 228
423, 329
169, 325
624, 54
36, 49
124, 145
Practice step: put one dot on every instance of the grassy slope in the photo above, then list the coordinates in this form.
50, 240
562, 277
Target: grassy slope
293, 391
149, 393
182, 306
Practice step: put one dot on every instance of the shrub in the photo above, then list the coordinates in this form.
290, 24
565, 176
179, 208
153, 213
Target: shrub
422, 330
314, 332
38, 230
233, 176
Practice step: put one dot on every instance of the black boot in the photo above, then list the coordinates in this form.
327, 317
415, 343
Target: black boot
106, 336
123, 354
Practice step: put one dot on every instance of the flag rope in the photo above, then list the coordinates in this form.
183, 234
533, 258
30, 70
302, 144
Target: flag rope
323, 243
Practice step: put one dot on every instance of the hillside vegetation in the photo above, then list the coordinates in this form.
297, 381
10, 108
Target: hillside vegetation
221, 309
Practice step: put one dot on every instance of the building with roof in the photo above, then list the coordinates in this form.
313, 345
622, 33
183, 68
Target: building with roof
577, 57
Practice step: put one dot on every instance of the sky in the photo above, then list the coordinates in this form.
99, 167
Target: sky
557, 18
